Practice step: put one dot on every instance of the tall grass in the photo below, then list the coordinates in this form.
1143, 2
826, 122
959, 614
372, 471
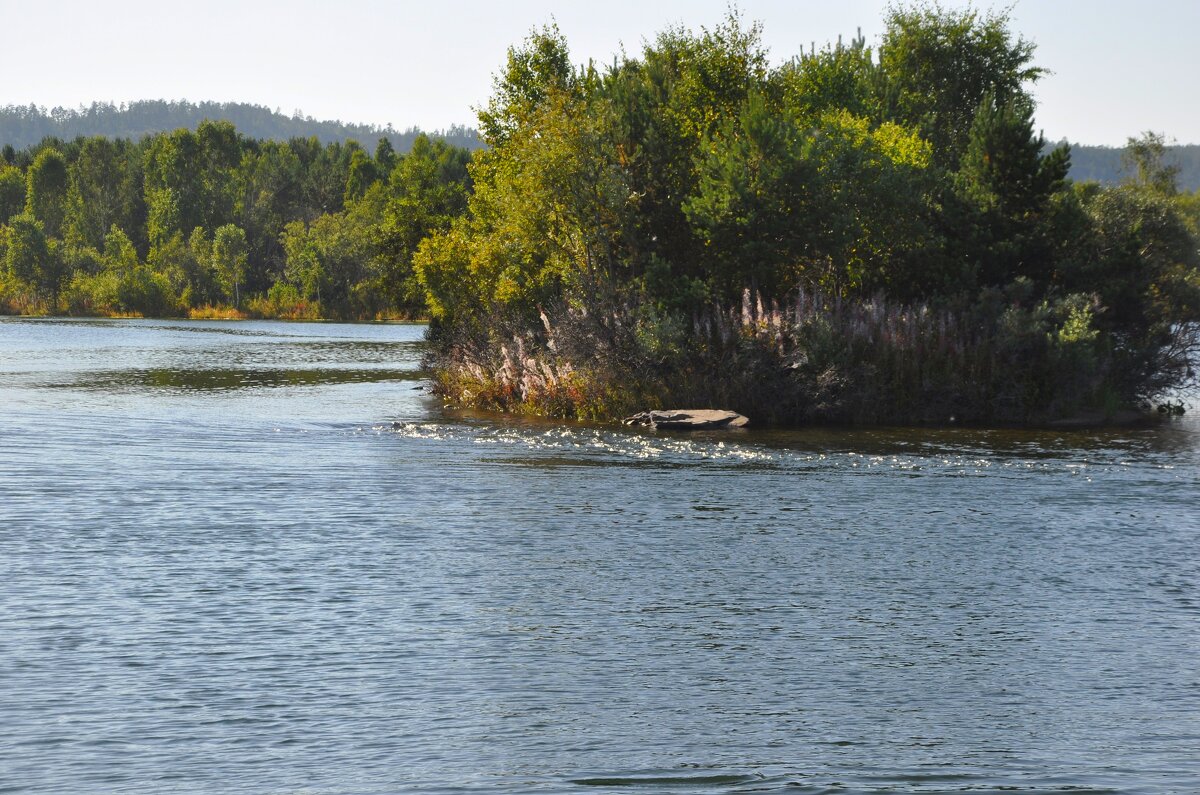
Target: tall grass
19, 299
813, 358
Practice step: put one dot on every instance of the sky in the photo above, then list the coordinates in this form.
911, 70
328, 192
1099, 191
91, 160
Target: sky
1118, 68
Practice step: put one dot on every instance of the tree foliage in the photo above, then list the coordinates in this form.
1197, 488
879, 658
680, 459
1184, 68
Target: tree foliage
229, 259
208, 214
939, 66
46, 190
12, 192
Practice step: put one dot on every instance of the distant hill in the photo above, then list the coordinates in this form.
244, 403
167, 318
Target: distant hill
1103, 164
23, 126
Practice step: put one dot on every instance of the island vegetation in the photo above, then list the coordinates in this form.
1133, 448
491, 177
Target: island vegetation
857, 234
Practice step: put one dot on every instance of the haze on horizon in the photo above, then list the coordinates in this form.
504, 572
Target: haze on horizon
1115, 72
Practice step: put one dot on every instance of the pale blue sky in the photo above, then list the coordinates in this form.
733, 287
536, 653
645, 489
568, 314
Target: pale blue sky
1119, 67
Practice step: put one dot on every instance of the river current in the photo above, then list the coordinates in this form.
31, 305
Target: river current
256, 558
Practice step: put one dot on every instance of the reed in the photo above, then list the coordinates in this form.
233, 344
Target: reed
814, 358
217, 312
19, 299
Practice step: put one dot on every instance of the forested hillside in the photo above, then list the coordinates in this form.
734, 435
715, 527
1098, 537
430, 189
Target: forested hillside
22, 126
1107, 165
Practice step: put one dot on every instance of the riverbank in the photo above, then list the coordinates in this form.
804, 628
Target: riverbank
253, 309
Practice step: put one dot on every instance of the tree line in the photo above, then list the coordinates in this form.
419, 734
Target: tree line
25, 125
211, 220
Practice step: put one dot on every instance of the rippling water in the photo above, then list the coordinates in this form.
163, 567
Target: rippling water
255, 558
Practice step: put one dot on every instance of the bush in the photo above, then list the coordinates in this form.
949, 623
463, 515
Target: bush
136, 291
284, 301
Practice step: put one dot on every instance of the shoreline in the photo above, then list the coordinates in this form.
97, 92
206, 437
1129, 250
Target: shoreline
222, 317
1133, 420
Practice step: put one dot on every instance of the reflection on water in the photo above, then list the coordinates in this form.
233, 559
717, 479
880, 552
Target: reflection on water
222, 380
252, 557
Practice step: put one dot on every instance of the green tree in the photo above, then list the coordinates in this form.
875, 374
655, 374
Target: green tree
1144, 263
1008, 180
119, 254
229, 256
189, 268
127, 284
1146, 157
221, 155
361, 176
324, 171
427, 190
105, 189
544, 216
27, 254
756, 202
840, 77
273, 195
46, 190
1003, 167
1189, 208
173, 186
938, 66
192, 179
385, 157
162, 222
659, 113
12, 192
533, 72
837, 204
304, 266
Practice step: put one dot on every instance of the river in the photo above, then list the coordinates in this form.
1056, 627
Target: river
256, 557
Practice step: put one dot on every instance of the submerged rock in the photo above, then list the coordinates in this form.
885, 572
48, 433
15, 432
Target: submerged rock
688, 419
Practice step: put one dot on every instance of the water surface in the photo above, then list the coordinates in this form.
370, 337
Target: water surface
256, 558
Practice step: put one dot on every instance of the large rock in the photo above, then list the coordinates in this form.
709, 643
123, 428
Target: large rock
688, 419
